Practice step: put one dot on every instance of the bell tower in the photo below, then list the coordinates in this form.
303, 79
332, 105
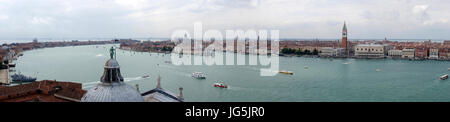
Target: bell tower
344, 42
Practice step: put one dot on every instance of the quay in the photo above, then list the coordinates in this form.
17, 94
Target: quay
4, 77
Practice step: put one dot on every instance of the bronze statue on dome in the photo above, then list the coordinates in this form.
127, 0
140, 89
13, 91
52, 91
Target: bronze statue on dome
112, 53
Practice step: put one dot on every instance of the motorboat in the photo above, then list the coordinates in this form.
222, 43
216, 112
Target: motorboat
287, 72
145, 76
199, 75
220, 85
444, 77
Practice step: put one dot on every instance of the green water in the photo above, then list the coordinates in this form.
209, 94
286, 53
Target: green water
323, 80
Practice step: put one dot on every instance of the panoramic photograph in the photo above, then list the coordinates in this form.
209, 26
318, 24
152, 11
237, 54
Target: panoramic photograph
224, 51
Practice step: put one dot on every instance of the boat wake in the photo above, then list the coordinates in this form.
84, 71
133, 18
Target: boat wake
347, 63
133, 79
99, 55
236, 88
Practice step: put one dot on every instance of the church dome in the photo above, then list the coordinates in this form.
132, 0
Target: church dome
116, 92
112, 63
111, 87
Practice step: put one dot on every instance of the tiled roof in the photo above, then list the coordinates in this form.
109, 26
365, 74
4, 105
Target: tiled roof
70, 90
160, 95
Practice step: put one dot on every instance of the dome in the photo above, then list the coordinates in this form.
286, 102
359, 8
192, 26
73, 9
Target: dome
116, 92
112, 63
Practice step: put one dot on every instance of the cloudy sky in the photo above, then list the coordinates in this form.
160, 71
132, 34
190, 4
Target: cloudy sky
400, 19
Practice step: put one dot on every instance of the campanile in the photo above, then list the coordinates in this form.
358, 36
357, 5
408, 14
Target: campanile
344, 42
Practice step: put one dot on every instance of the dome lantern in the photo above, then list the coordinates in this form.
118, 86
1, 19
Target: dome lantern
111, 74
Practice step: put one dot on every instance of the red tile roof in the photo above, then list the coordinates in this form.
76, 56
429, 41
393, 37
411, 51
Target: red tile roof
51, 91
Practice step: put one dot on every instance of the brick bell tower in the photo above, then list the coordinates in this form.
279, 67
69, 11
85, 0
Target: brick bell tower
344, 43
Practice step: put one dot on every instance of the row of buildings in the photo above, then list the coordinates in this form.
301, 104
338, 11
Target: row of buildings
383, 49
397, 50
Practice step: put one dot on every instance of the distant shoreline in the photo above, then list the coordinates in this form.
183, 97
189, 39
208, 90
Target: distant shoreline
27, 40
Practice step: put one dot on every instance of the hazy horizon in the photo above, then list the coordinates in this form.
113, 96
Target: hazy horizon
25, 40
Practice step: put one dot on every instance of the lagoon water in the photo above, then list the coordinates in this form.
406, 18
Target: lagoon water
324, 80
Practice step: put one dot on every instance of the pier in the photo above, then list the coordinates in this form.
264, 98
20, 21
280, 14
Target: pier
4, 77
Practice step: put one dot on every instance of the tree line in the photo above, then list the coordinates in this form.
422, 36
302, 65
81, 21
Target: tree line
299, 51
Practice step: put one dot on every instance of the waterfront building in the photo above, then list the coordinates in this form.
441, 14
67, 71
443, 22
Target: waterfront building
447, 42
7, 54
332, 52
2, 56
421, 52
162, 95
434, 53
444, 53
112, 88
408, 53
370, 51
43, 91
395, 53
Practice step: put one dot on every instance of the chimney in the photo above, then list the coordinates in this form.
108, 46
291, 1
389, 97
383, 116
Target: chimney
137, 87
181, 94
158, 81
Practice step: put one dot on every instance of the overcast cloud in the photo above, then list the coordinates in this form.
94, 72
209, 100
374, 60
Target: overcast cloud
421, 19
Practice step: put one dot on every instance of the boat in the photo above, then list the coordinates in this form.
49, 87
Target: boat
287, 72
448, 69
199, 75
145, 76
347, 62
378, 70
12, 65
306, 67
168, 62
220, 85
444, 77
22, 78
